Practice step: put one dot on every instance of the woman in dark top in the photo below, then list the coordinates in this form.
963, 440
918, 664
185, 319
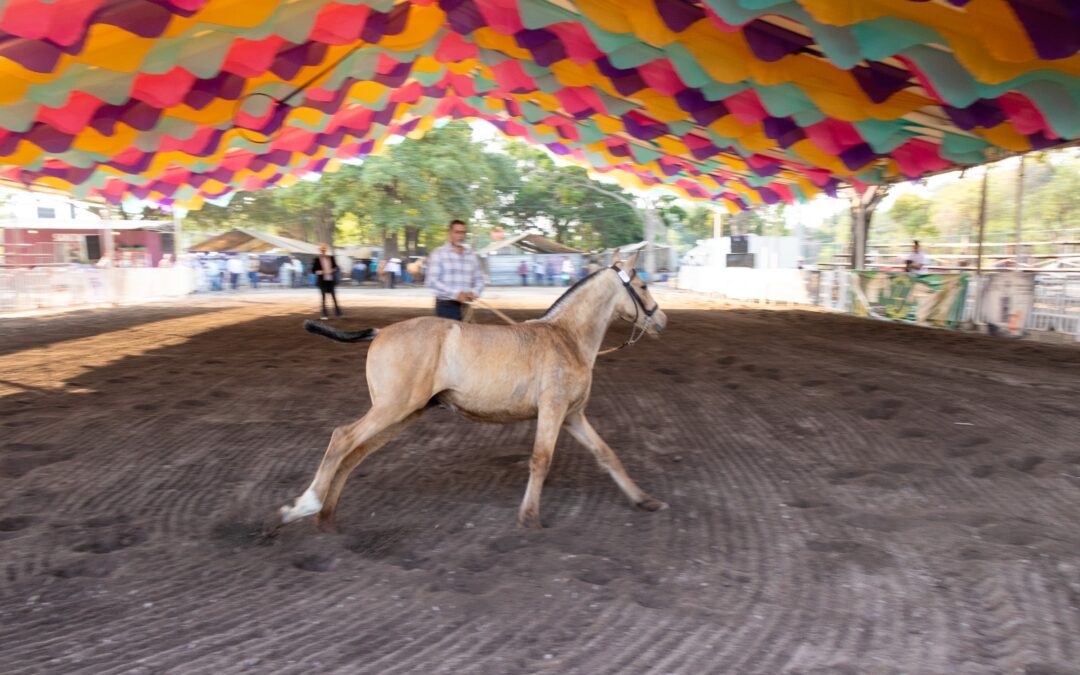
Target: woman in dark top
324, 267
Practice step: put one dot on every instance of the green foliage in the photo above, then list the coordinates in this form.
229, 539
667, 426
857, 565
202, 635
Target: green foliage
417, 186
912, 213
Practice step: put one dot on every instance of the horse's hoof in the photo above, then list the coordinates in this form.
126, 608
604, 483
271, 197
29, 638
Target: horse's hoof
651, 504
326, 524
530, 521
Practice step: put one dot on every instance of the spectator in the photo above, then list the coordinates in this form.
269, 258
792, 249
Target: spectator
538, 271
325, 269
523, 272
567, 271
359, 270
549, 271
235, 268
253, 270
392, 270
916, 261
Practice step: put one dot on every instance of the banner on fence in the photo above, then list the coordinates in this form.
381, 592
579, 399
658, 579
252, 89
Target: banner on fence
1006, 300
924, 299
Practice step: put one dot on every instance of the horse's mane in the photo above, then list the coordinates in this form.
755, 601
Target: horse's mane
570, 291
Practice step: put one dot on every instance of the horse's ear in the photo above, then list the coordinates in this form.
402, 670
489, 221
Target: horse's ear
615, 257
632, 261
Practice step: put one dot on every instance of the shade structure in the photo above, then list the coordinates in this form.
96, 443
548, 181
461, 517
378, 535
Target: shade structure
744, 102
242, 240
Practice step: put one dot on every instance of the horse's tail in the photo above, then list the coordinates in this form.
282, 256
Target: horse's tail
340, 335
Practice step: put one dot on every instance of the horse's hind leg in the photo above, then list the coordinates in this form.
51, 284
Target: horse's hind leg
353, 459
344, 440
580, 429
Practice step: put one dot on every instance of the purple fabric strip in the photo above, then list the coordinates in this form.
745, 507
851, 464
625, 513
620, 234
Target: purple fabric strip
1052, 25
783, 130
626, 82
880, 81
35, 55
145, 19
983, 113
678, 15
772, 43
464, 16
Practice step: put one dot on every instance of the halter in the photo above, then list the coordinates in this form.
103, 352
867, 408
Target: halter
639, 308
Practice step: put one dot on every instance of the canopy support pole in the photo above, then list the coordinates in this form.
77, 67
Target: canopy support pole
1019, 213
982, 222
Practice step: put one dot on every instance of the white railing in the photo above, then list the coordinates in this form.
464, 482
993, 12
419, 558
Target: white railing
1056, 306
72, 286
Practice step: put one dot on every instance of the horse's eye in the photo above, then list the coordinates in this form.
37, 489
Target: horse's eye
644, 287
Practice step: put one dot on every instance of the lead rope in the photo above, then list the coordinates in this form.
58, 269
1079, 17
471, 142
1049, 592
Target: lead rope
631, 340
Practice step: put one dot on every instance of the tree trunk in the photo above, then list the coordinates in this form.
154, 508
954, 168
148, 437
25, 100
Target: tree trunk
412, 240
324, 227
862, 212
390, 245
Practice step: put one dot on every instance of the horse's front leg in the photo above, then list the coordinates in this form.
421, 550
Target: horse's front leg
548, 422
580, 429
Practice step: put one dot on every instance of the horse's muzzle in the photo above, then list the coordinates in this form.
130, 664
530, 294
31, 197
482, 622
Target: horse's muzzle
658, 323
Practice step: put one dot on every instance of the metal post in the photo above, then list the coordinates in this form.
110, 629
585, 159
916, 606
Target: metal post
982, 221
717, 225
858, 244
1019, 211
650, 232
178, 231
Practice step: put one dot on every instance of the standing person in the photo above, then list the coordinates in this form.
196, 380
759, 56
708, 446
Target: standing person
454, 274
549, 271
567, 271
916, 261
324, 267
538, 271
253, 270
235, 269
392, 270
523, 272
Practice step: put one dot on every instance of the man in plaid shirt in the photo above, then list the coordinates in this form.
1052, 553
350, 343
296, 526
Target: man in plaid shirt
454, 274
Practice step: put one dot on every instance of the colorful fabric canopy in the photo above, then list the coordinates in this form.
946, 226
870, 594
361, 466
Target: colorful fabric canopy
742, 101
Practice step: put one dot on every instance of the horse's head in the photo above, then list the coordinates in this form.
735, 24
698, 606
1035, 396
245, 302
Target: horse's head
635, 303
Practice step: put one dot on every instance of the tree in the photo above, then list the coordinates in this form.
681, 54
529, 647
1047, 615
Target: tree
912, 213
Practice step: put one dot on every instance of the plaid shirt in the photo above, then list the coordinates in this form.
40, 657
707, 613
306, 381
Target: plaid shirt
449, 273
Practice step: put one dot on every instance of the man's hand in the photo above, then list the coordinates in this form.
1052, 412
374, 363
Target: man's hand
465, 296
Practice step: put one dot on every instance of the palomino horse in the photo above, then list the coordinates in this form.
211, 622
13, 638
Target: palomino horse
539, 369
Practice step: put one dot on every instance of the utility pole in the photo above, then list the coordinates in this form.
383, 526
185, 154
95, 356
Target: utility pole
1019, 211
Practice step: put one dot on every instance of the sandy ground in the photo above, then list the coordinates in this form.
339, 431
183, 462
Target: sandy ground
846, 497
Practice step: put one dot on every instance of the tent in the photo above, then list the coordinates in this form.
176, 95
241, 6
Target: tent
526, 242
736, 101
241, 240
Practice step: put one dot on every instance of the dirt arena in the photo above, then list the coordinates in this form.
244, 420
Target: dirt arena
846, 497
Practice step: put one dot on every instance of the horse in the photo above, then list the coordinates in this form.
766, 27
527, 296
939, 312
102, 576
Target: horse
538, 369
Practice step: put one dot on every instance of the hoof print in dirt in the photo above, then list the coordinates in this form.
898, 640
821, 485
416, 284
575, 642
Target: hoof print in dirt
94, 567
113, 541
313, 563
243, 534
15, 523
